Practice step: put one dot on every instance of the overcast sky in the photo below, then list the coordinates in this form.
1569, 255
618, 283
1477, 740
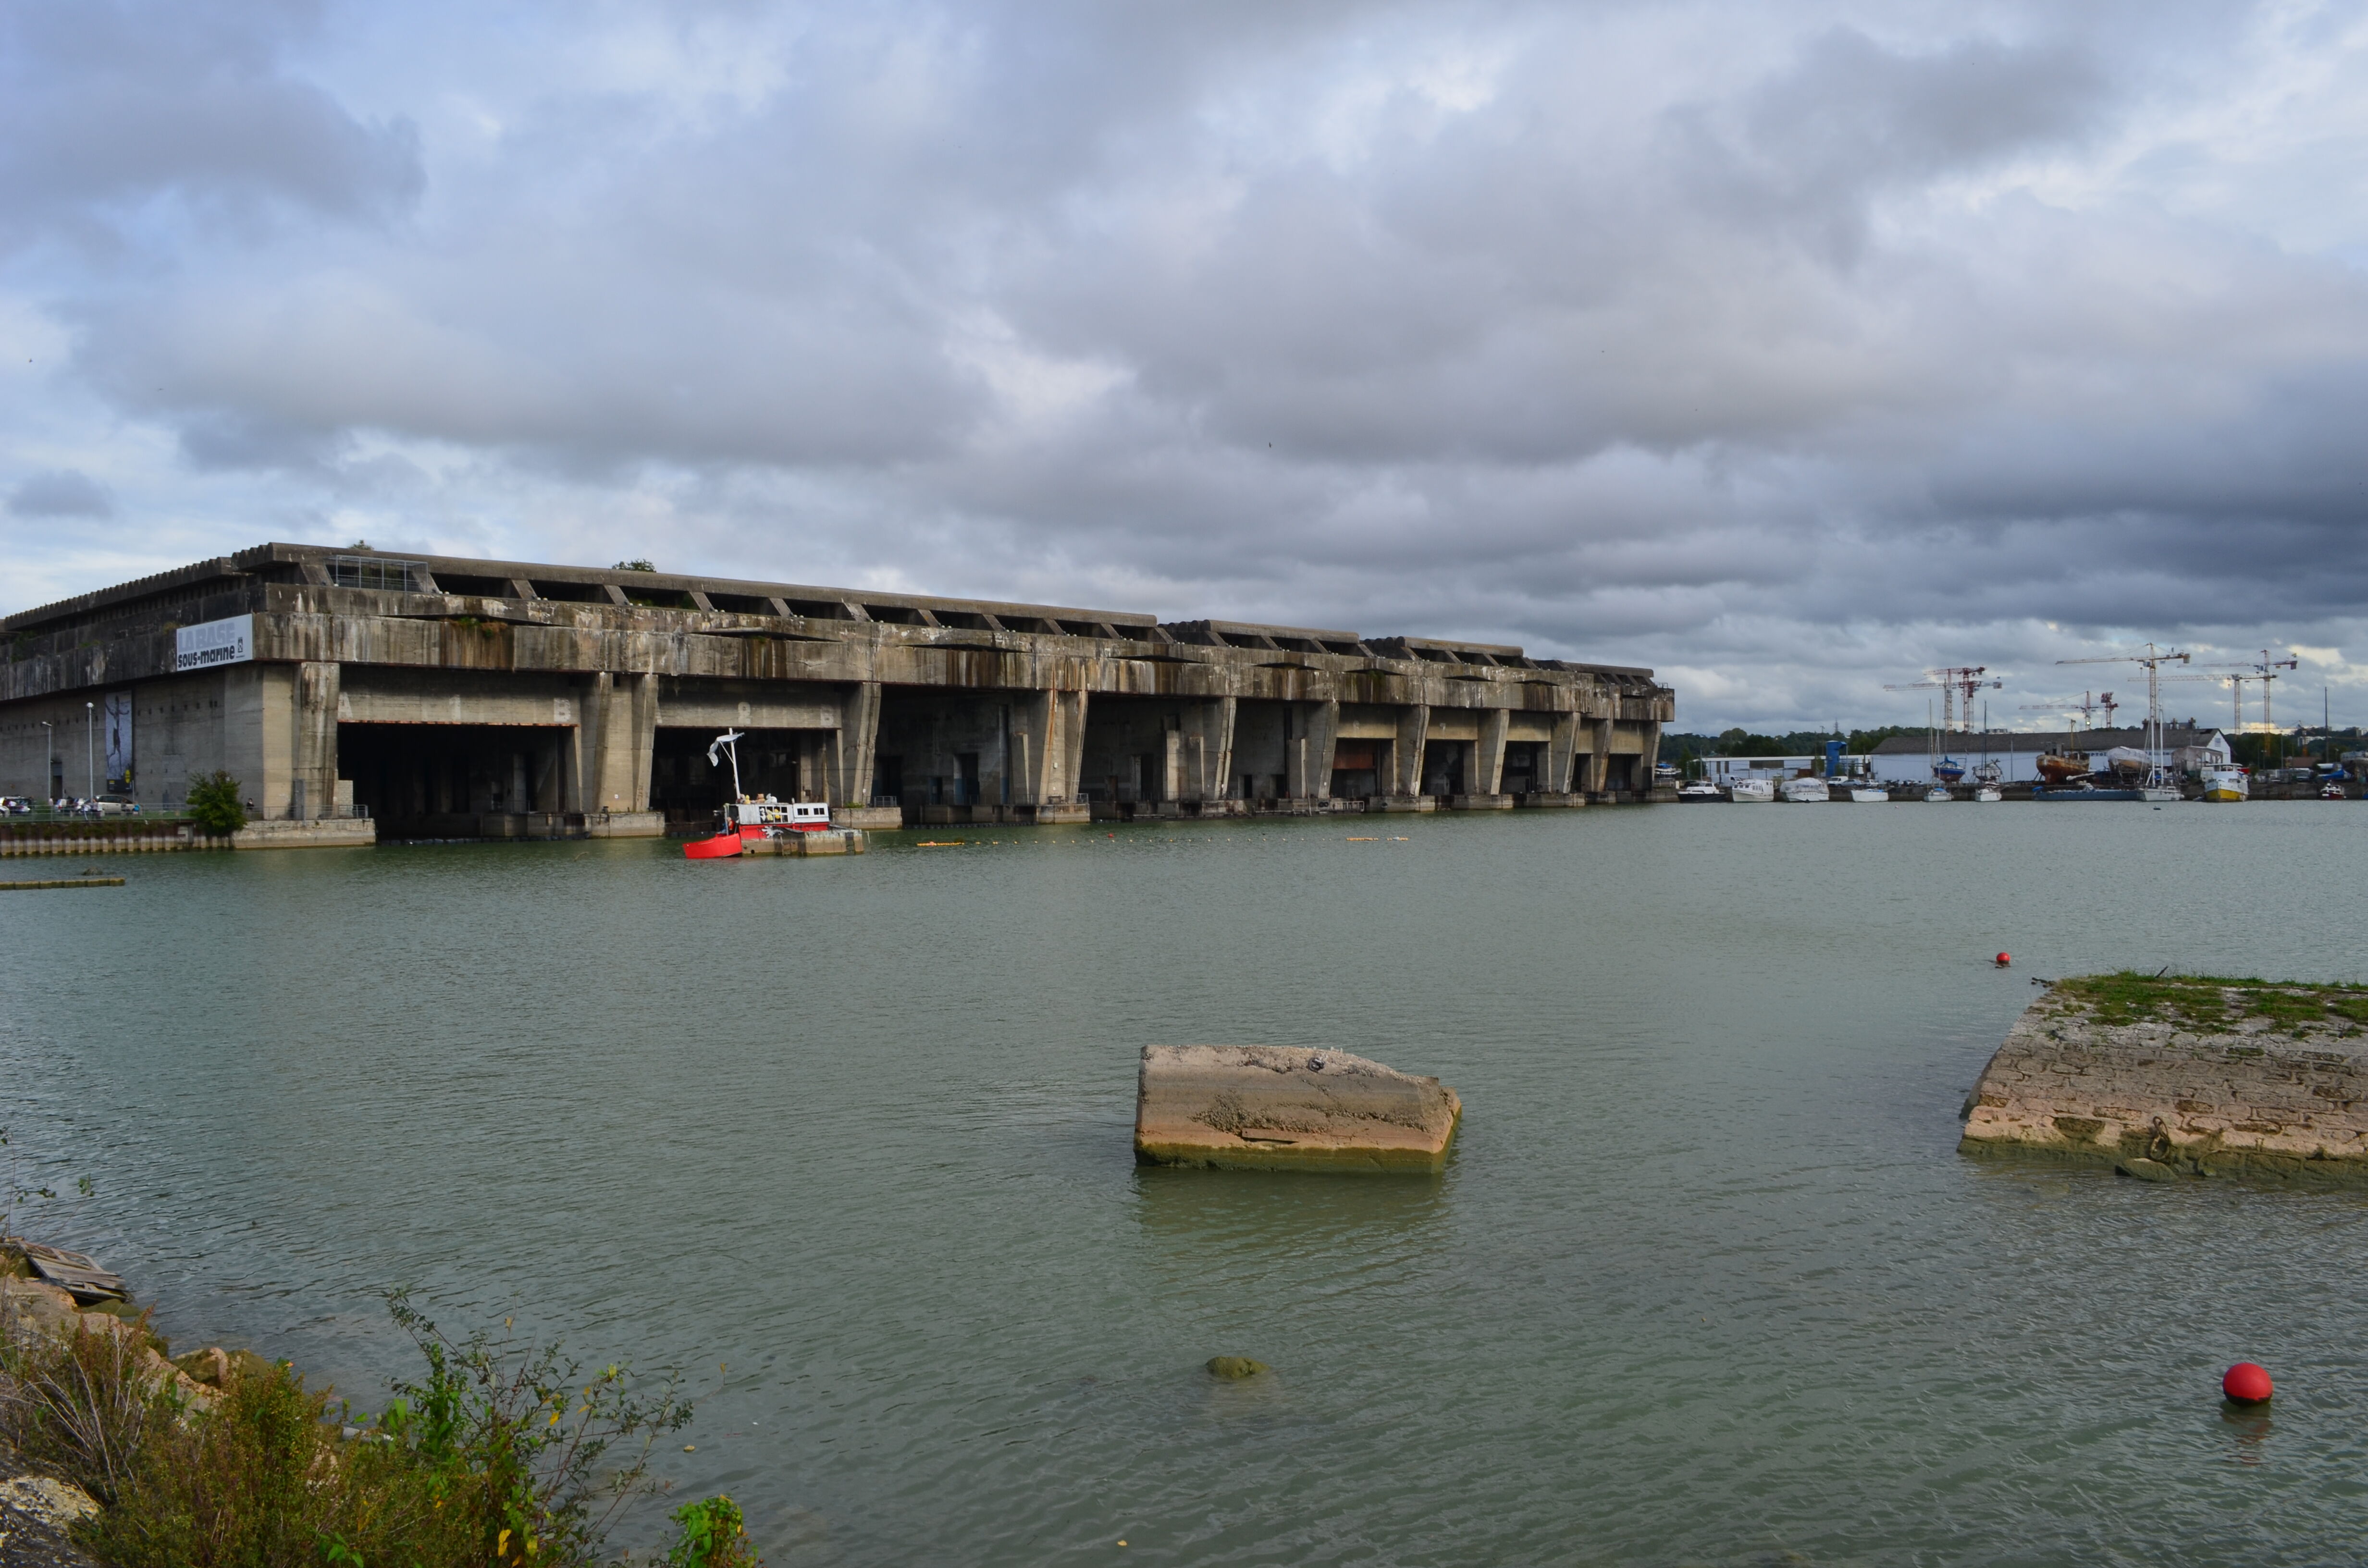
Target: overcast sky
1786, 347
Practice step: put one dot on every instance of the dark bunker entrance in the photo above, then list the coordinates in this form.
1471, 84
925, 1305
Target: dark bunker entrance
440, 780
691, 792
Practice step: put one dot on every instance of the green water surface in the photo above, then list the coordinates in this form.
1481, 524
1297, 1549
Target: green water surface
1705, 1282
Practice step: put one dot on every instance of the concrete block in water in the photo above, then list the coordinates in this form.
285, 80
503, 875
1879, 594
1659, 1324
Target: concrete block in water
2179, 1075
1271, 1107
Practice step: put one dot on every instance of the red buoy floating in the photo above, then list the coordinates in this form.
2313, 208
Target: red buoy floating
2247, 1383
2004, 959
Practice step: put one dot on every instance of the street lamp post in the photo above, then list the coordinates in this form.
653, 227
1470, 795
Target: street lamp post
51, 781
90, 751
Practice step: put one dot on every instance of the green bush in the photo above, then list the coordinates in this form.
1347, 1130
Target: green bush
502, 1456
262, 1481
711, 1536
215, 804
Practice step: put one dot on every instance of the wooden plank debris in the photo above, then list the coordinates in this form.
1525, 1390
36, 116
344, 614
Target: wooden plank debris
79, 1274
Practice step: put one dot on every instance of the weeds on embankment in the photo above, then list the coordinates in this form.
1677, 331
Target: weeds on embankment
500, 1455
2217, 1003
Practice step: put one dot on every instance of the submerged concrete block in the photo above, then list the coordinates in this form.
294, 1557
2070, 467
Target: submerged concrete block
1271, 1107
2174, 1075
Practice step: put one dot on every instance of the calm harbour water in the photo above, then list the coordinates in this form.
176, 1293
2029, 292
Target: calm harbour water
1705, 1281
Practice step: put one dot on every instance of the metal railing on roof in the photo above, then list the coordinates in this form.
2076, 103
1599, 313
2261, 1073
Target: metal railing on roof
378, 572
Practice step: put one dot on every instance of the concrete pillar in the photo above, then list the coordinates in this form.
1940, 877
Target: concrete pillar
1171, 764
1598, 762
1488, 757
313, 740
623, 710
1560, 752
1414, 728
1651, 755
1321, 742
858, 736
575, 713
1028, 731
1068, 747
1208, 750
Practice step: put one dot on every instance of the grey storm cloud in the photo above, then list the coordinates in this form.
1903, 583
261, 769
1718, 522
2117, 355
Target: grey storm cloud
60, 493
1761, 340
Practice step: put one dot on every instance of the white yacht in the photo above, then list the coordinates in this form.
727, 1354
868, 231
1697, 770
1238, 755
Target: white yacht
1938, 793
1868, 793
1807, 789
1742, 789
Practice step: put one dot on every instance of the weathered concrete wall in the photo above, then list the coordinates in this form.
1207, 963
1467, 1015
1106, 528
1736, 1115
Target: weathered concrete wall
1054, 705
2243, 1092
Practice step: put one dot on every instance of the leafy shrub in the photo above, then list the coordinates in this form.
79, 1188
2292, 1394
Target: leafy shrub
215, 804
712, 1536
502, 1456
261, 1480
524, 1443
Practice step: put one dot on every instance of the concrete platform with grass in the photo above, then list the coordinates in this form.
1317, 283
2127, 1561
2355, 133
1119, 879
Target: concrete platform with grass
2183, 1076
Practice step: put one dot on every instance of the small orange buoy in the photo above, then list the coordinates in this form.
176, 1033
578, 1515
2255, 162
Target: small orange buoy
2004, 959
2247, 1383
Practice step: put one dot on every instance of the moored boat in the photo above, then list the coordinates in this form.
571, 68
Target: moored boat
1938, 793
1868, 793
2226, 784
1804, 789
1741, 790
747, 817
1989, 794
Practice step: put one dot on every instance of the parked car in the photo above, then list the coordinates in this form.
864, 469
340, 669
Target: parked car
15, 806
114, 806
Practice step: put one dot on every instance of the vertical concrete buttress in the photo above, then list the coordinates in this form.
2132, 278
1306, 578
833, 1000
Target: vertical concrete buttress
1560, 752
1489, 763
626, 732
858, 736
1598, 762
1323, 741
1208, 750
1414, 728
313, 740
1171, 764
1644, 780
1068, 745
1034, 743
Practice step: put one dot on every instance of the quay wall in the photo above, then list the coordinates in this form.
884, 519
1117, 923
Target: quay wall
437, 695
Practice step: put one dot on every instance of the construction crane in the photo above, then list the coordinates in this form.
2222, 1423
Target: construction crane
2151, 660
1954, 683
2264, 670
2085, 705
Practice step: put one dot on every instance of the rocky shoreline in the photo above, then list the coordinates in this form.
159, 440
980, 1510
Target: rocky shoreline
2171, 1076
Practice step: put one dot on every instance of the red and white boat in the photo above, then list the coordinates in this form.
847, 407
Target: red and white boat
749, 817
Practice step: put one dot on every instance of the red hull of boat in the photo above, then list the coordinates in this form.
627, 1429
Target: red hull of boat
721, 847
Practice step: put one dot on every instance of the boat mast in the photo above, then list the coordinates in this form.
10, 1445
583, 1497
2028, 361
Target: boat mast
727, 742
